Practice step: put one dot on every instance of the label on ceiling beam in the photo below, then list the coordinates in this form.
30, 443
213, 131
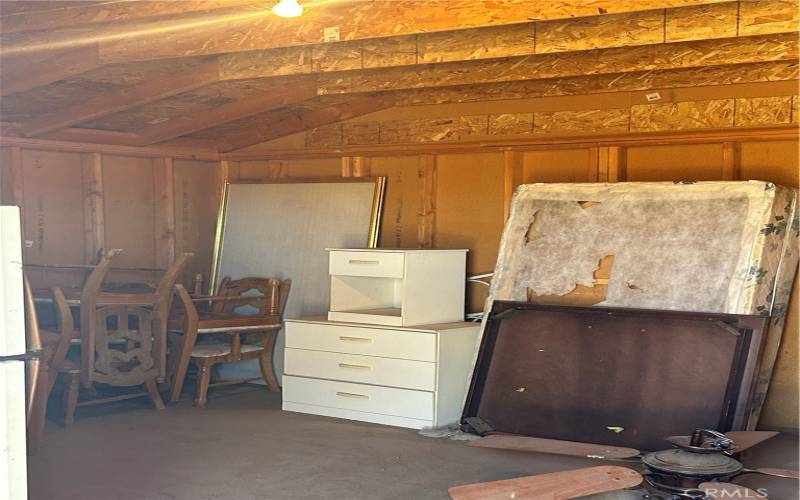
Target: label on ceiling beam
330, 34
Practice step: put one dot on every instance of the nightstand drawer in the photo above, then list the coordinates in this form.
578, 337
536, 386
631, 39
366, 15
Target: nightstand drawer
359, 397
402, 373
372, 264
401, 344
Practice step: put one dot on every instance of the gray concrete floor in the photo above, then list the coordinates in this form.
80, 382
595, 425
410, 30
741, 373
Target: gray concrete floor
242, 446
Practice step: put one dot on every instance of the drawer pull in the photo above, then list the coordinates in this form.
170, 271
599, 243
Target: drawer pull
355, 339
357, 367
364, 262
351, 395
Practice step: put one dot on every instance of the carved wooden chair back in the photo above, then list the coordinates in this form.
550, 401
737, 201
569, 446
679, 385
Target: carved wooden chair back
167, 282
91, 289
124, 345
270, 297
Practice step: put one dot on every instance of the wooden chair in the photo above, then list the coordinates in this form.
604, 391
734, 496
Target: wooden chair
224, 319
52, 347
102, 348
159, 299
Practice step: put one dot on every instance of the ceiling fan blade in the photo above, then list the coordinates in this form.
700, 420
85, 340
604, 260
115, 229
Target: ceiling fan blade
541, 445
748, 439
553, 486
769, 471
728, 490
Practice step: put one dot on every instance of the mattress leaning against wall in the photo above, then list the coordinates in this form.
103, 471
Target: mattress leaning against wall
720, 247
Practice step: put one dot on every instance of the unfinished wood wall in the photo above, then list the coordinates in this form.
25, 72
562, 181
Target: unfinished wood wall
75, 203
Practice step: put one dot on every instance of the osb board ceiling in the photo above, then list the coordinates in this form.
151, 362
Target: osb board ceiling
225, 75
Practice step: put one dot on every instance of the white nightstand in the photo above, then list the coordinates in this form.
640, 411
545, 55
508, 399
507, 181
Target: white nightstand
397, 287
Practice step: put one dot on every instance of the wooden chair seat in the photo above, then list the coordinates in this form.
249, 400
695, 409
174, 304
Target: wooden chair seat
107, 297
214, 350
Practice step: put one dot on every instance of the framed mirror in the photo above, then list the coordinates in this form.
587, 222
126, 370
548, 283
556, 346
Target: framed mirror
281, 229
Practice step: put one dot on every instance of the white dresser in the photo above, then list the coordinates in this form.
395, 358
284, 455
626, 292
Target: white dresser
413, 377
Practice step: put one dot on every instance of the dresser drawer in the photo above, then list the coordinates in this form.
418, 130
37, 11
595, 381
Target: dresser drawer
367, 341
373, 264
358, 397
403, 373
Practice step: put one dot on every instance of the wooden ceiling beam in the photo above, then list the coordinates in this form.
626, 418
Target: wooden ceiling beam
694, 54
614, 82
291, 93
127, 98
61, 15
279, 124
171, 37
23, 72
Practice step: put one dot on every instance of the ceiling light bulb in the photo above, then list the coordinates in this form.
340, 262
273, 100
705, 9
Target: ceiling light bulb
287, 8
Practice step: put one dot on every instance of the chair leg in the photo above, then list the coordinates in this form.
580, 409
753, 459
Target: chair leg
203, 380
155, 396
179, 376
72, 387
265, 362
38, 409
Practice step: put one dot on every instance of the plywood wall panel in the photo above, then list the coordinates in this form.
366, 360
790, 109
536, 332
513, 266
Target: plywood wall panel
758, 17
775, 161
763, 111
462, 45
323, 137
391, 51
316, 167
432, 130
6, 176
582, 121
718, 20
682, 115
336, 56
469, 211
129, 203
53, 207
691, 162
285, 61
198, 186
557, 165
48, 186
638, 28
355, 133
511, 124
399, 220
